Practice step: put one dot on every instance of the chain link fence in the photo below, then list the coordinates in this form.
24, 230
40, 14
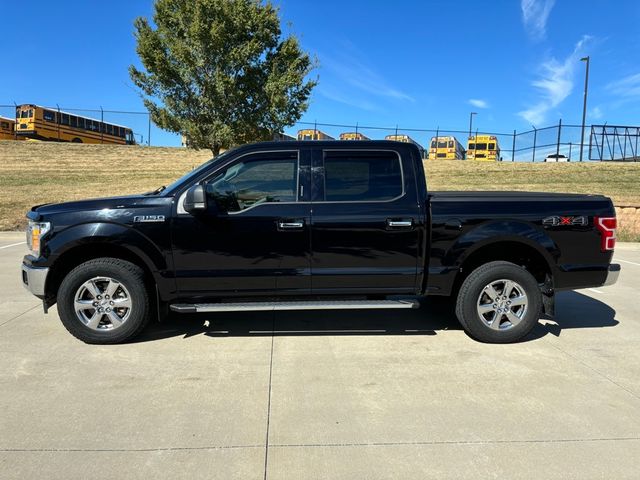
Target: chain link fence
560, 141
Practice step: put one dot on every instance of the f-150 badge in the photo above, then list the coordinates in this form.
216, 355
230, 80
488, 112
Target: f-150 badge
558, 221
148, 218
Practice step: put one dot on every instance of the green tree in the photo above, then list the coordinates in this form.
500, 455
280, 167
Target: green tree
220, 72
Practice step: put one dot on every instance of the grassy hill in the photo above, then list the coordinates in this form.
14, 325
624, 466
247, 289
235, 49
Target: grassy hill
39, 172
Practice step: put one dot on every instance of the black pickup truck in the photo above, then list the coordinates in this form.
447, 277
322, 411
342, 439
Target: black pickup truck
315, 225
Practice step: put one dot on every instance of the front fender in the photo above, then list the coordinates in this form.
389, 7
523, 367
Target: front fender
106, 232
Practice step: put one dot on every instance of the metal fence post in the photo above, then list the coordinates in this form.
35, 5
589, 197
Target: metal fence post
15, 128
513, 148
149, 130
535, 137
569, 151
475, 145
58, 121
435, 154
558, 143
101, 125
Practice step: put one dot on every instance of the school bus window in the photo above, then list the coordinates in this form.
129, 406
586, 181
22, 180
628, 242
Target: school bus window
481, 146
450, 143
492, 146
80, 122
472, 146
5, 125
74, 121
65, 119
48, 116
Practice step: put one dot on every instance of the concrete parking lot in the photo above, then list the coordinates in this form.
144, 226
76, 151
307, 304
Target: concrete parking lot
336, 395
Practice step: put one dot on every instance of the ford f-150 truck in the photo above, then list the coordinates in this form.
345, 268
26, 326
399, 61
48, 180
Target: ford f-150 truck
315, 225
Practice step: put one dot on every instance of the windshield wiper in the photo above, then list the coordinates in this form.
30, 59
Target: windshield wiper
157, 190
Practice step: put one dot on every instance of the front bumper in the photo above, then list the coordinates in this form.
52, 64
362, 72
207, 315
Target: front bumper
612, 274
34, 279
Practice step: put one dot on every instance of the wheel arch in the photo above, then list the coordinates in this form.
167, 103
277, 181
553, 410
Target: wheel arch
516, 242
89, 241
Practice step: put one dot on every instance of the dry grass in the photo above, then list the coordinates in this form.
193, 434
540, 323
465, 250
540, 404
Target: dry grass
35, 172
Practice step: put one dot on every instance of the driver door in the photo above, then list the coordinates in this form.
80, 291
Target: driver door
254, 237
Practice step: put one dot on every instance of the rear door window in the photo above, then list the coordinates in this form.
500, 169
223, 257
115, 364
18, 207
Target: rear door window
362, 176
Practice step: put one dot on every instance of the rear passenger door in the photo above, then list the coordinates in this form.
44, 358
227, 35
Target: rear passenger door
365, 224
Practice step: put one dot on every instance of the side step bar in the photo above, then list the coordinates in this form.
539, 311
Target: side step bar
293, 305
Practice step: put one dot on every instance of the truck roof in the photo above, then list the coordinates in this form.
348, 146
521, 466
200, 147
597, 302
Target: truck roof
283, 145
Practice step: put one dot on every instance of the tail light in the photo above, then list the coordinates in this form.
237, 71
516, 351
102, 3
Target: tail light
607, 228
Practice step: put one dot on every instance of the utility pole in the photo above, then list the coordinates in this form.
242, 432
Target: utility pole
470, 129
584, 106
471, 122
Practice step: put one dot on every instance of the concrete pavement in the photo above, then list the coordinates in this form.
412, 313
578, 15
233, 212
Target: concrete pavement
337, 395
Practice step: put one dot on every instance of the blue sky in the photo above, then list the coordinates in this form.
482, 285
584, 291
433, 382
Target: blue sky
416, 64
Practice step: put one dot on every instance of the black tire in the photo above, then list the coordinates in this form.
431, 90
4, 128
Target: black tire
504, 331
76, 140
127, 274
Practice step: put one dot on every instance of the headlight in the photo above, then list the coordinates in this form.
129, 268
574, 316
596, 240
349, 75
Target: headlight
35, 232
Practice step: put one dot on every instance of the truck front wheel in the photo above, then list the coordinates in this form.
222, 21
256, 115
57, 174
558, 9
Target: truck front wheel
499, 302
104, 301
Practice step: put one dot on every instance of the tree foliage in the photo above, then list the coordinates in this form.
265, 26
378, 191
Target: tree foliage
220, 72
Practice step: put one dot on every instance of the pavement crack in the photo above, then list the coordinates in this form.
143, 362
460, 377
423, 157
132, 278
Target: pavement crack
319, 445
455, 442
19, 315
159, 449
266, 443
606, 377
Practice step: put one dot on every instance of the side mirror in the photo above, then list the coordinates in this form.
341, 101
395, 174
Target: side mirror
196, 200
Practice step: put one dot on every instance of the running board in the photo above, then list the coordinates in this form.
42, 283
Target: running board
293, 305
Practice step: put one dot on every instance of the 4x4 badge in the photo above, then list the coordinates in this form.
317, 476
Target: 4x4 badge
558, 221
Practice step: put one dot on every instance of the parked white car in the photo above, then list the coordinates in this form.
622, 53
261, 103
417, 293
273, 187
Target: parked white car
556, 157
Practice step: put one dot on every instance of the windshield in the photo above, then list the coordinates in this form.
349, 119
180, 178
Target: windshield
194, 173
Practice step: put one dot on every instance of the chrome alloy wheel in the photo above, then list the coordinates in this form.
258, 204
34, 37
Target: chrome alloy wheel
502, 304
102, 303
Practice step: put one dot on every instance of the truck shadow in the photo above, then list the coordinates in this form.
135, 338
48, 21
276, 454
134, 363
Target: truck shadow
573, 310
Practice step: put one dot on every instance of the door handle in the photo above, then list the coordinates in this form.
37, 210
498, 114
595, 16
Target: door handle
290, 224
403, 223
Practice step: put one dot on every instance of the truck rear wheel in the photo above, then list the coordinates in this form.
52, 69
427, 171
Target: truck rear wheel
104, 301
499, 302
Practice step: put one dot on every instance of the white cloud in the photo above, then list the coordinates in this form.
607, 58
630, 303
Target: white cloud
596, 113
476, 102
363, 78
351, 101
555, 84
627, 87
535, 14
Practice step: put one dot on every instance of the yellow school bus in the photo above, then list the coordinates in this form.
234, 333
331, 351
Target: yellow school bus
353, 136
7, 128
446, 148
406, 139
313, 134
41, 123
483, 147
